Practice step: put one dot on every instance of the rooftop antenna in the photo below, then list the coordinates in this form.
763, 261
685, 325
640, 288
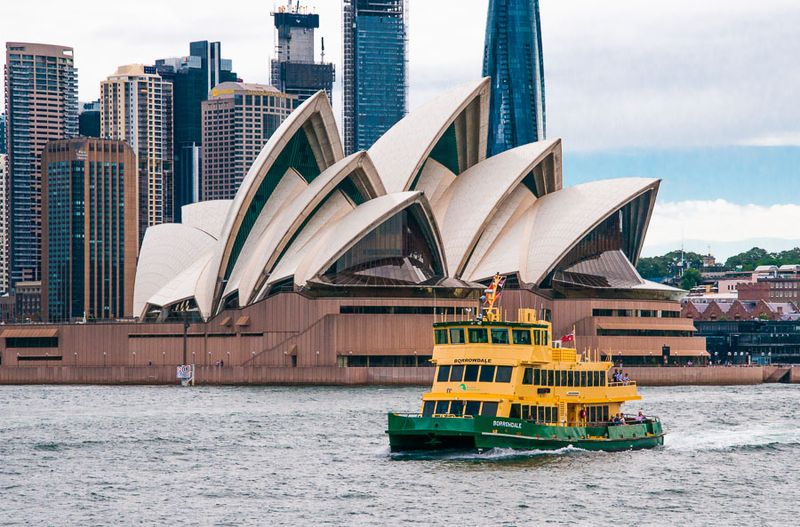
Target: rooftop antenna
322, 57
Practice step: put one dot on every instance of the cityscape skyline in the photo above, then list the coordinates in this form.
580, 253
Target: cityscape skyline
690, 105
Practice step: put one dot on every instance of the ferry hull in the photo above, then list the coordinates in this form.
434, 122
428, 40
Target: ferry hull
410, 433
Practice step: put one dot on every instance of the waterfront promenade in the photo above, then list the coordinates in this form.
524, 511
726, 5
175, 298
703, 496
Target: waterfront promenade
331, 375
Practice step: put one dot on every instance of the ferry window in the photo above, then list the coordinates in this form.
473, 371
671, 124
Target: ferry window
456, 335
471, 373
487, 374
441, 336
521, 336
527, 377
551, 374
478, 336
557, 378
537, 337
563, 377
545, 340
457, 407
499, 336
427, 408
570, 378
515, 411
526, 412
605, 412
537, 377
601, 378
489, 409
472, 408
504, 374
441, 407
583, 378
444, 374
456, 373
540, 413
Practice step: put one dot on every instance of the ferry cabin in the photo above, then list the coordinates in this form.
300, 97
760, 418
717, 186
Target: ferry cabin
512, 370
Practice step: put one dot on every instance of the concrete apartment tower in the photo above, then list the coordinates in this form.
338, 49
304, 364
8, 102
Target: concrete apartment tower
295, 70
513, 58
41, 92
193, 77
375, 78
238, 120
136, 107
90, 229
3, 224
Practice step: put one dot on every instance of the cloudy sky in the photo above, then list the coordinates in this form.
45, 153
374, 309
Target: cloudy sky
703, 94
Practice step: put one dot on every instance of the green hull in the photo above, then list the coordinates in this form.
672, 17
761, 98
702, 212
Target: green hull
409, 433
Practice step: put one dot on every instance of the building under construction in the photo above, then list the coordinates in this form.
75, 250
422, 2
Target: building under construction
294, 70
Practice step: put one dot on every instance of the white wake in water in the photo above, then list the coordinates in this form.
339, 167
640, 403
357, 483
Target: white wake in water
756, 435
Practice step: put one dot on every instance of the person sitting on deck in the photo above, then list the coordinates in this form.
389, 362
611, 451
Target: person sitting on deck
626, 379
640, 418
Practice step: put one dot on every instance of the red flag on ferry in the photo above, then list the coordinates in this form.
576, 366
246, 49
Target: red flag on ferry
568, 338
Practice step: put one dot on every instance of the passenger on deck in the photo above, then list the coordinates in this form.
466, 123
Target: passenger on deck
640, 418
626, 379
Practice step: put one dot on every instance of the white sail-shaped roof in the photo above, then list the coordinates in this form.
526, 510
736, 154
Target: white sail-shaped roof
469, 204
401, 152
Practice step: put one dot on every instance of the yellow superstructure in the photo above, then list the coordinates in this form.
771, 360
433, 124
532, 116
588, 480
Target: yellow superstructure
514, 369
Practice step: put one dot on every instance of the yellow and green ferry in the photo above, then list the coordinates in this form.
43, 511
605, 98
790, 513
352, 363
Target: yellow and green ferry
502, 384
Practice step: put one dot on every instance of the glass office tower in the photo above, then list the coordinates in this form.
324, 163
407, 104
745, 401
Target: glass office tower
375, 79
512, 57
193, 77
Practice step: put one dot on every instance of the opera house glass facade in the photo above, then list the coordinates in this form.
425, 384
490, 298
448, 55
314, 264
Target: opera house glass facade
513, 59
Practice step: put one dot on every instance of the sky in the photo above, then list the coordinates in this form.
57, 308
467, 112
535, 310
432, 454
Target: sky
702, 94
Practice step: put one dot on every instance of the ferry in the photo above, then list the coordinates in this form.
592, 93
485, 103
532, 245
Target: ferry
500, 384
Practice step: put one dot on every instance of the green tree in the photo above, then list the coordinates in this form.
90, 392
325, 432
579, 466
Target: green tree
690, 278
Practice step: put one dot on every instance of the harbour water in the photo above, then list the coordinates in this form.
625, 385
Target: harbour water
86, 455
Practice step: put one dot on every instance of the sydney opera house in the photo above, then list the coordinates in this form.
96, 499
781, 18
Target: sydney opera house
323, 260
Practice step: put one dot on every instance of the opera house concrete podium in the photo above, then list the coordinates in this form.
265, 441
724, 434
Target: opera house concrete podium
323, 260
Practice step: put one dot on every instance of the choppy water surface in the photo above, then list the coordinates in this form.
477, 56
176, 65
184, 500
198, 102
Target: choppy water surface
302, 456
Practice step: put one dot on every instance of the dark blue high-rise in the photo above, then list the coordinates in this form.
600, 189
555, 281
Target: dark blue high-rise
512, 57
375, 73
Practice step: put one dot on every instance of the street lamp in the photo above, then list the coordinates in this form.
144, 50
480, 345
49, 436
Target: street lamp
104, 359
134, 358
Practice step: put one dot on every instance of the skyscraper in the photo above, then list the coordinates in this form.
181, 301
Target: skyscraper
41, 105
89, 119
3, 225
193, 77
512, 57
90, 224
375, 69
136, 107
238, 120
2, 133
294, 70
